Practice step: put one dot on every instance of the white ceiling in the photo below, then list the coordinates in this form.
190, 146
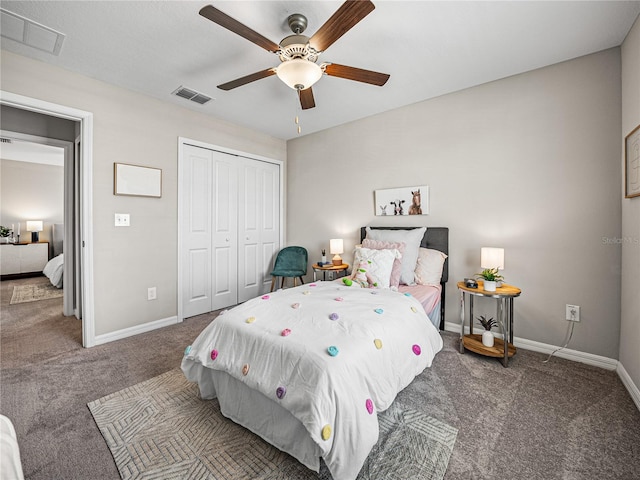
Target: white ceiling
430, 48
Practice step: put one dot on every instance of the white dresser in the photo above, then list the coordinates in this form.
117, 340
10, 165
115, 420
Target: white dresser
23, 257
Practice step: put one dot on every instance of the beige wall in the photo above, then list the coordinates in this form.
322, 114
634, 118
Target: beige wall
630, 324
136, 129
31, 191
529, 163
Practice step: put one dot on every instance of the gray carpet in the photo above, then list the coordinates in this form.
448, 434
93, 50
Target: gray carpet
531, 421
161, 429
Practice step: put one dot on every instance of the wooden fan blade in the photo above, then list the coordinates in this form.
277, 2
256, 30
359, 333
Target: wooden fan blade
238, 82
306, 99
216, 16
345, 18
357, 74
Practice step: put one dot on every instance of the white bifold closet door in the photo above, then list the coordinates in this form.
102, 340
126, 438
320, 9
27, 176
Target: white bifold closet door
231, 228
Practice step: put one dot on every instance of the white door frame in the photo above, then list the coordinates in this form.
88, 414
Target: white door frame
182, 141
86, 225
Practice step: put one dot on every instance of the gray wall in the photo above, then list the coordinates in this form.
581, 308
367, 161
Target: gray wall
31, 191
135, 129
630, 326
530, 163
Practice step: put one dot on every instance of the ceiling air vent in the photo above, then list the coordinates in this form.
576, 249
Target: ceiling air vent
192, 95
28, 32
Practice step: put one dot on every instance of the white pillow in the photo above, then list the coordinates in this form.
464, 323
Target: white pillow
429, 266
379, 263
411, 239
394, 281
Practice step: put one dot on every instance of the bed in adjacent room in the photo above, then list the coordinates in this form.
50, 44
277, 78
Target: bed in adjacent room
54, 268
308, 368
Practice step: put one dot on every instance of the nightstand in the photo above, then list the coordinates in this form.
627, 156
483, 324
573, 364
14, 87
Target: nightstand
328, 268
504, 296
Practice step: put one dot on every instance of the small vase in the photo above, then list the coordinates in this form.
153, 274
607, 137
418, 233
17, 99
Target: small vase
489, 286
487, 338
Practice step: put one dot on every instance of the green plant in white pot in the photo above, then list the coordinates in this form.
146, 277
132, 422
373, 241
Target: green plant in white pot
487, 336
4, 234
490, 277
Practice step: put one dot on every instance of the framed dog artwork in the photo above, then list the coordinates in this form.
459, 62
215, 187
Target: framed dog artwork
402, 201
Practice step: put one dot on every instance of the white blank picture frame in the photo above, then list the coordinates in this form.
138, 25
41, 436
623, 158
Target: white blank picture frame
137, 181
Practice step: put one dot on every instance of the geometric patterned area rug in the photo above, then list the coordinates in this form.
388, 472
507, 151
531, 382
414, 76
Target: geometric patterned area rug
32, 293
160, 428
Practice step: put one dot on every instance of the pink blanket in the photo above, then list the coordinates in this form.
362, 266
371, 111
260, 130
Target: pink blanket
427, 295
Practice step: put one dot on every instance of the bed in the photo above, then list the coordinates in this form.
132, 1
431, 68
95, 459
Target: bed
54, 268
308, 368
434, 238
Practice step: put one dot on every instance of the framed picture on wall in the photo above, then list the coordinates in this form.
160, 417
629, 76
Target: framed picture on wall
632, 164
136, 180
402, 201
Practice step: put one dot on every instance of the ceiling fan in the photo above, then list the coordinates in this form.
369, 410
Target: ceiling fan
299, 53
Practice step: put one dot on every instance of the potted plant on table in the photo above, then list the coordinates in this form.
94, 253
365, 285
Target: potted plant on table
490, 277
5, 233
487, 336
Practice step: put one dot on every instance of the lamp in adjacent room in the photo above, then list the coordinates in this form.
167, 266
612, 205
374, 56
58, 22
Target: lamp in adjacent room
491, 257
35, 227
336, 247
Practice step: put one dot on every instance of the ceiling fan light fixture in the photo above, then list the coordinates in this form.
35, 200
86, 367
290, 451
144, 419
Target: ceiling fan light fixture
299, 74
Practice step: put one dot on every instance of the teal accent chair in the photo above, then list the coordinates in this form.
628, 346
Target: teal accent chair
291, 262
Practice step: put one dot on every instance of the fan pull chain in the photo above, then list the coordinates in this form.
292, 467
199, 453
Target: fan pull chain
297, 118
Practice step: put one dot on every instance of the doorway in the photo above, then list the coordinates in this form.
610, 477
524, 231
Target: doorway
80, 228
34, 186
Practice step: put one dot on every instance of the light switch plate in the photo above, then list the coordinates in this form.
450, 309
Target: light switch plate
122, 220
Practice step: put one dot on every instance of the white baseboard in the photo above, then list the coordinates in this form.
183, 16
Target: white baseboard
569, 354
574, 355
131, 331
631, 387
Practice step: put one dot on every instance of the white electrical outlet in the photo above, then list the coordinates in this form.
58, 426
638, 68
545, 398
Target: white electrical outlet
151, 293
573, 313
122, 219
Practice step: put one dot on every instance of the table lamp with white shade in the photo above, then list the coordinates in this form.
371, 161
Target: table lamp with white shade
35, 227
492, 258
336, 247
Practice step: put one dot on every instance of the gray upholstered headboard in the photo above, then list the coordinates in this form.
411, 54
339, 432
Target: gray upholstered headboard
436, 238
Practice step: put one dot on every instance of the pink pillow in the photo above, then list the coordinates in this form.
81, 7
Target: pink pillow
396, 271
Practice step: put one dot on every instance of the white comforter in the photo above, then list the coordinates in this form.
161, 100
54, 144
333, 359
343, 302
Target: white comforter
54, 270
333, 356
